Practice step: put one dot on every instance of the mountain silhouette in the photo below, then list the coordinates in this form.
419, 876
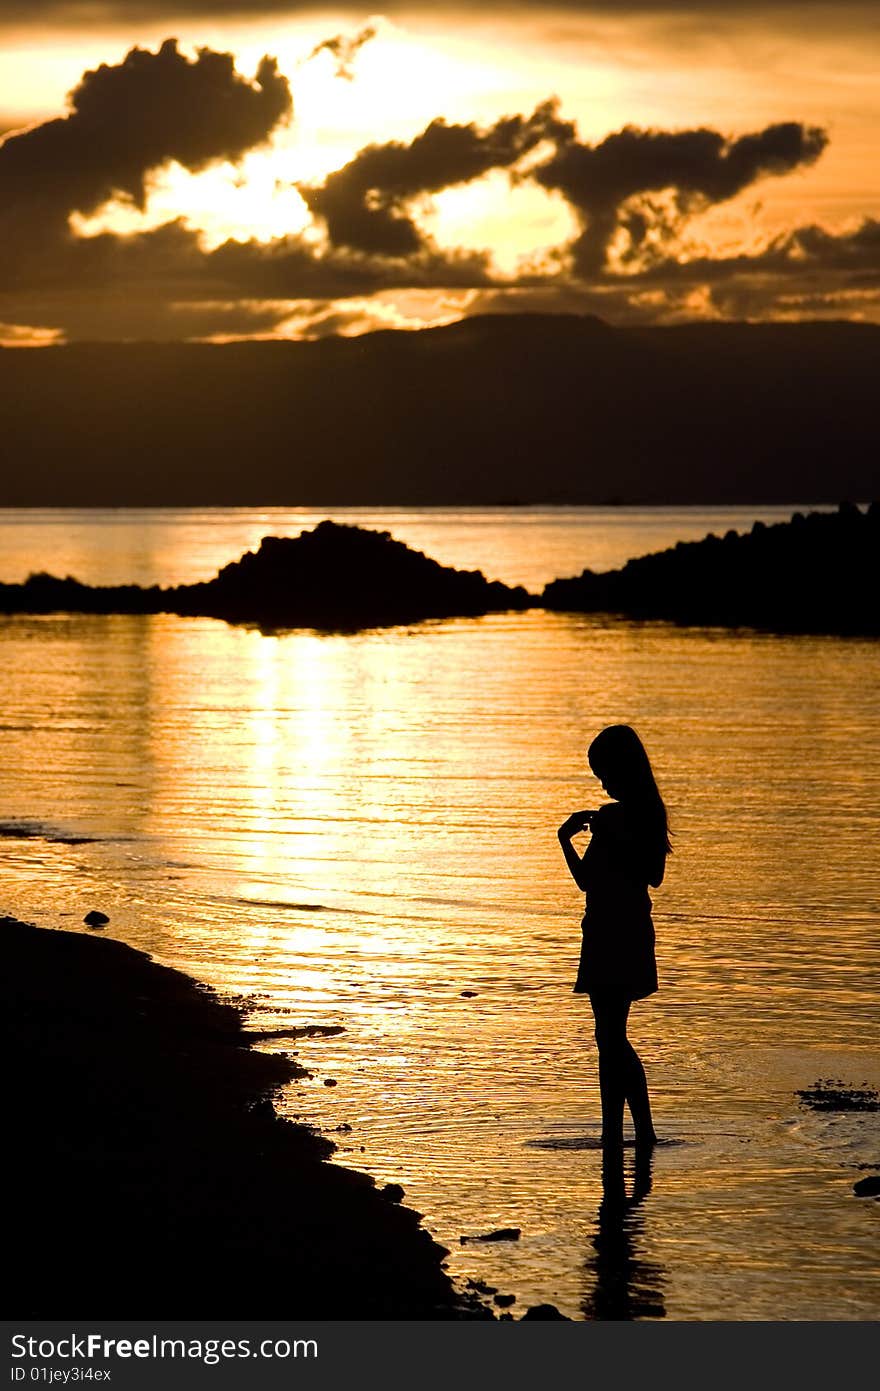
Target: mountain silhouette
490, 410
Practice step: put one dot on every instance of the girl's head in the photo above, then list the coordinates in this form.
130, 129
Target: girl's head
617, 756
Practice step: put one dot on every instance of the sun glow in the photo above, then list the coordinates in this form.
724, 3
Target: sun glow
518, 221
403, 83
398, 81
358, 81
253, 199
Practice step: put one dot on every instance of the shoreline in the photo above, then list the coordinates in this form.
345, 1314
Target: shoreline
151, 1175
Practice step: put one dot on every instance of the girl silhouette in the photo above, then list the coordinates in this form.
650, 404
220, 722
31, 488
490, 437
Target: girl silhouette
627, 853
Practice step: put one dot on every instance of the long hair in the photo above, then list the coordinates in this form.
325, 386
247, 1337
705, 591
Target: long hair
618, 751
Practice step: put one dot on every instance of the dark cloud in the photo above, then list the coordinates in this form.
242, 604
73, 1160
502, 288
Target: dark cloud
125, 121
856, 253
364, 204
344, 48
800, 254
806, 272
619, 302
161, 284
757, 301
347, 317
138, 314
641, 183
699, 167
128, 279
634, 190
290, 268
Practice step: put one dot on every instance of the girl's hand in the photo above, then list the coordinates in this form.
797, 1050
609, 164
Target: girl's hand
577, 822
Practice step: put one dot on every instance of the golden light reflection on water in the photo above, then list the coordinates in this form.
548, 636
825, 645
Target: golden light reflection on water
361, 831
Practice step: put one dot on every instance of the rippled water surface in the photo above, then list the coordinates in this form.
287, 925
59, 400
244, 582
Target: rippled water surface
360, 830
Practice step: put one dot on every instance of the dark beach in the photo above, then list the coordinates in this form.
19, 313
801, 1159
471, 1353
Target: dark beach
150, 1174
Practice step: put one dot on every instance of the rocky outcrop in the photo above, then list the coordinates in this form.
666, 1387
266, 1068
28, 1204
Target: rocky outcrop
817, 573
334, 577
342, 577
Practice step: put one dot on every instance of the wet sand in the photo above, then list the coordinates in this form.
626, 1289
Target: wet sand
150, 1175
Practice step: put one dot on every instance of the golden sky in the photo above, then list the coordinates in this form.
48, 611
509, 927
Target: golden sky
698, 161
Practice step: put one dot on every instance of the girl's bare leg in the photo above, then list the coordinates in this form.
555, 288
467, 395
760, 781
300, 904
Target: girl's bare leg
610, 1013
621, 1074
637, 1099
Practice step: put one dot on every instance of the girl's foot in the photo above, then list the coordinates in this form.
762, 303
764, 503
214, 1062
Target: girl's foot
611, 1141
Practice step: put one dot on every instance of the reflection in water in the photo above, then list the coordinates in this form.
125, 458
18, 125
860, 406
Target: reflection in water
621, 1285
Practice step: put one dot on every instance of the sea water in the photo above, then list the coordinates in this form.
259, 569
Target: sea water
359, 831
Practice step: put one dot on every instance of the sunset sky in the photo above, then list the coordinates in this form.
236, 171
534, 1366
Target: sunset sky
347, 169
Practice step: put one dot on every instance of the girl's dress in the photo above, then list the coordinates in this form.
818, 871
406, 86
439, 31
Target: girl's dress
617, 951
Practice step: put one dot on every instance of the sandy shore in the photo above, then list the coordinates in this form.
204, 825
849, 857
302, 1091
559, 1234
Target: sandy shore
150, 1174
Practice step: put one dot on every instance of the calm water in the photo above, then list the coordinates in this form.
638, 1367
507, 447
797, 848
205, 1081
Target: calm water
355, 830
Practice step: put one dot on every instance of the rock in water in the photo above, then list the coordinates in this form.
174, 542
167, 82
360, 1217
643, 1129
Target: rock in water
336, 577
393, 1192
342, 577
502, 1234
813, 574
868, 1187
835, 1095
96, 918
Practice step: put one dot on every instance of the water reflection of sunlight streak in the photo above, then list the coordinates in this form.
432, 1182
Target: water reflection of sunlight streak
291, 738
287, 732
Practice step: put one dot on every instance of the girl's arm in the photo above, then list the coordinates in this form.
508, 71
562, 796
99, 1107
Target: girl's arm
577, 864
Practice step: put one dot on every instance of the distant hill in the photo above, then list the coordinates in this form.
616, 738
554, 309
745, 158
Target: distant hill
504, 409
